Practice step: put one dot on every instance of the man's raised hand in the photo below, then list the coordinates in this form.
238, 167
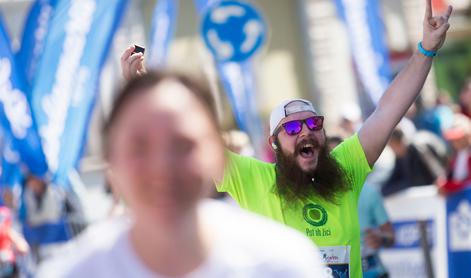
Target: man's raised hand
435, 28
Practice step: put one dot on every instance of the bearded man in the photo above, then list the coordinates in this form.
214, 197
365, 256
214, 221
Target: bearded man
316, 191
309, 188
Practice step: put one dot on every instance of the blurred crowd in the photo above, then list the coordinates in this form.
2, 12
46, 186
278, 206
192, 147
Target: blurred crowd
164, 154
430, 146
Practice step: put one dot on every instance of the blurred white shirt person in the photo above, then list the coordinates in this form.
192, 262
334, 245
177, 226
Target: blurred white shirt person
163, 148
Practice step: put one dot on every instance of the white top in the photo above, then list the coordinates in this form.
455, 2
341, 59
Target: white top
244, 245
460, 172
50, 211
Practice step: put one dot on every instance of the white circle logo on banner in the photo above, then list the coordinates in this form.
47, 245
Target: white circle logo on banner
233, 30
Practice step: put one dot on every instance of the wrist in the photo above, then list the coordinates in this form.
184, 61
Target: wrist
428, 47
425, 50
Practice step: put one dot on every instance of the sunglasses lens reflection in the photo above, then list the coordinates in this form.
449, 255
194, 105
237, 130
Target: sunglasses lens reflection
293, 127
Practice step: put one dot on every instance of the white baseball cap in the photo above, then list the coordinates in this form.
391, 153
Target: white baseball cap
288, 107
460, 127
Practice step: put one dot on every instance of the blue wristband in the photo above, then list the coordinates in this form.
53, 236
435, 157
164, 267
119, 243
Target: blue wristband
425, 52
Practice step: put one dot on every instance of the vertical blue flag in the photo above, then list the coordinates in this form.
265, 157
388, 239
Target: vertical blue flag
34, 34
64, 91
162, 31
366, 34
458, 208
238, 81
11, 174
201, 5
15, 114
239, 84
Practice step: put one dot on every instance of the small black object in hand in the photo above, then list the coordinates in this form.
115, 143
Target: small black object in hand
138, 49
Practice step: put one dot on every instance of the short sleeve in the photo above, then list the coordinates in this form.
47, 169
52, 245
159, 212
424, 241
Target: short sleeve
351, 156
235, 165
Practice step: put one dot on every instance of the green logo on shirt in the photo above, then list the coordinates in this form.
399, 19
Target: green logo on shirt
315, 214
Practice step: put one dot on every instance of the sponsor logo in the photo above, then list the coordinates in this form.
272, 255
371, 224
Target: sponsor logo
56, 104
318, 232
315, 215
460, 227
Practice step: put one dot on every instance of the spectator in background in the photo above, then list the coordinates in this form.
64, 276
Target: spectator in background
427, 119
49, 216
43, 203
41, 206
238, 142
465, 98
7, 197
333, 141
350, 120
436, 118
163, 148
420, 160
376, 231
445, 109
12, 244
459, 173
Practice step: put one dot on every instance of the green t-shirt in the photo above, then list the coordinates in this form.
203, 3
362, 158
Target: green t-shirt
334, 228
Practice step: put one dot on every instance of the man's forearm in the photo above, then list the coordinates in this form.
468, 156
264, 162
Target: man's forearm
405, 87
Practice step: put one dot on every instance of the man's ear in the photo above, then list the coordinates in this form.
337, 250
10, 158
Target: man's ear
271, 140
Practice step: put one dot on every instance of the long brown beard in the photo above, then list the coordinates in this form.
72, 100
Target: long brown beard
327, 181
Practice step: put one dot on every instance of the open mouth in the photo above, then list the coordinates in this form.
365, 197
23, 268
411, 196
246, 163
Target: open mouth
306, 150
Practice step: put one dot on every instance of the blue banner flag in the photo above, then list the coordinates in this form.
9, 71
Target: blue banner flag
201, 5
236, 74
10, 160
34, 34
64, 90
239, 84
233, 31
458, 207
367, 41
162, 31
11, 174
15, 114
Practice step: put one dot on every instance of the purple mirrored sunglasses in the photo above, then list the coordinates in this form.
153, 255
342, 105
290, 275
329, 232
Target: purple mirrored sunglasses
294, 127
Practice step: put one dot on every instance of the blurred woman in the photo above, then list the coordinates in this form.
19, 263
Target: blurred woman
163, 148
465, 98
459, 171
12, 244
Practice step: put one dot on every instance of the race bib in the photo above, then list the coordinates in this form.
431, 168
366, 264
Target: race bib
337, 259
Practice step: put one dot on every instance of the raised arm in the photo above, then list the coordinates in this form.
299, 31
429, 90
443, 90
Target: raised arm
404, 89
